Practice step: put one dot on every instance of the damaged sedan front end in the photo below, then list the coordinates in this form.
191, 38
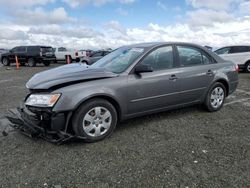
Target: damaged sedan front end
44, 124
38, 117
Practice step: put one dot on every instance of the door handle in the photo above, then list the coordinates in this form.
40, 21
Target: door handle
210, 72
173, 77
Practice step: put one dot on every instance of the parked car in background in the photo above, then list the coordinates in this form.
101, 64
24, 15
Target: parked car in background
94, 56
62, 53
87, 102
86, 52
240, 55
30, 55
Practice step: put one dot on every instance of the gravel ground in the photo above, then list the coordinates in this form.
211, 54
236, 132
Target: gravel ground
182, 148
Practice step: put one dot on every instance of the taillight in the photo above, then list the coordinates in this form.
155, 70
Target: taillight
76, 53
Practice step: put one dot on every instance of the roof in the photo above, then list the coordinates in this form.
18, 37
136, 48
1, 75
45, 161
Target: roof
155, 44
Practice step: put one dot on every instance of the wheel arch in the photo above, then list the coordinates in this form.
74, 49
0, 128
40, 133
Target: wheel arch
110, 99
225, 83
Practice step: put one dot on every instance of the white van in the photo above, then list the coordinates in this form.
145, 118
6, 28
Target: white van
240, 55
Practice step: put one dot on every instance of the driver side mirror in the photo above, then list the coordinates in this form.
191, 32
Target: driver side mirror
143, 68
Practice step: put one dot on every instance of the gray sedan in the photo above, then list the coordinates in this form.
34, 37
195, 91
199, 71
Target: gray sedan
87, 102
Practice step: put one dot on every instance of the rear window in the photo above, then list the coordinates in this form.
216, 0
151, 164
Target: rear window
47, 49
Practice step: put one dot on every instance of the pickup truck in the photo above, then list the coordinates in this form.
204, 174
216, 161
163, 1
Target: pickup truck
62, 53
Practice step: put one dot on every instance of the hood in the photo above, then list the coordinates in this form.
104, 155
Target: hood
76, 72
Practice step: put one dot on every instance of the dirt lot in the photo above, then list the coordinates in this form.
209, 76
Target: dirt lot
182, 148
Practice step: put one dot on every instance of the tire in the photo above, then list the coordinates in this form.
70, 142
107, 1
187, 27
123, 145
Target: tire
31, 62
77, 60
6, 61
247, 67
215, 97
46, 63
87, 124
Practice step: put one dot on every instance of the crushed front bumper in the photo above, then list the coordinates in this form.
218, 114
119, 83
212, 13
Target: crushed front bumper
55, 130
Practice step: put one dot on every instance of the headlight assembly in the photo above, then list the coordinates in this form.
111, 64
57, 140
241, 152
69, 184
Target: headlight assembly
42, 100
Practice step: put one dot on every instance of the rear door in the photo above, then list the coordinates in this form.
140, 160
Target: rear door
154, 90
196, 73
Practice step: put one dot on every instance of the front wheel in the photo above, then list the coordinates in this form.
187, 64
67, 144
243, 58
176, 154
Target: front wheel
6, 61
247, 67
46, 63
95, 120
215, 97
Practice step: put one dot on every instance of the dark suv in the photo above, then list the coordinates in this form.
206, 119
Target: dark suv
30, 55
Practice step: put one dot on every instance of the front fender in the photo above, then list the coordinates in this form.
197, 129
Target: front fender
74, 95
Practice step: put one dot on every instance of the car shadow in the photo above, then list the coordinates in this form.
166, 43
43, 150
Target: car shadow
139, 122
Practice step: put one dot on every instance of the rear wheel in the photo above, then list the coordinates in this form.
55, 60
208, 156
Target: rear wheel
247, 67
215, 97
95, 120
46, 63
31, 62
6, 61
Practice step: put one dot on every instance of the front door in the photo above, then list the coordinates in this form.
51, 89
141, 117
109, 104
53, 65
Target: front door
157, 89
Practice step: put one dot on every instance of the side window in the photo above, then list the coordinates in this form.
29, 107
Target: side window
14, 49
160, 59
223, 51
20, 49
98, 54
206, 59
239, 49
189, 56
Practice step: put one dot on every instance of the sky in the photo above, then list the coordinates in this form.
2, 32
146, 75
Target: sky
97, 24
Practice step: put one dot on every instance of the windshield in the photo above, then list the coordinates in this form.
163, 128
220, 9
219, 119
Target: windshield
119, 60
